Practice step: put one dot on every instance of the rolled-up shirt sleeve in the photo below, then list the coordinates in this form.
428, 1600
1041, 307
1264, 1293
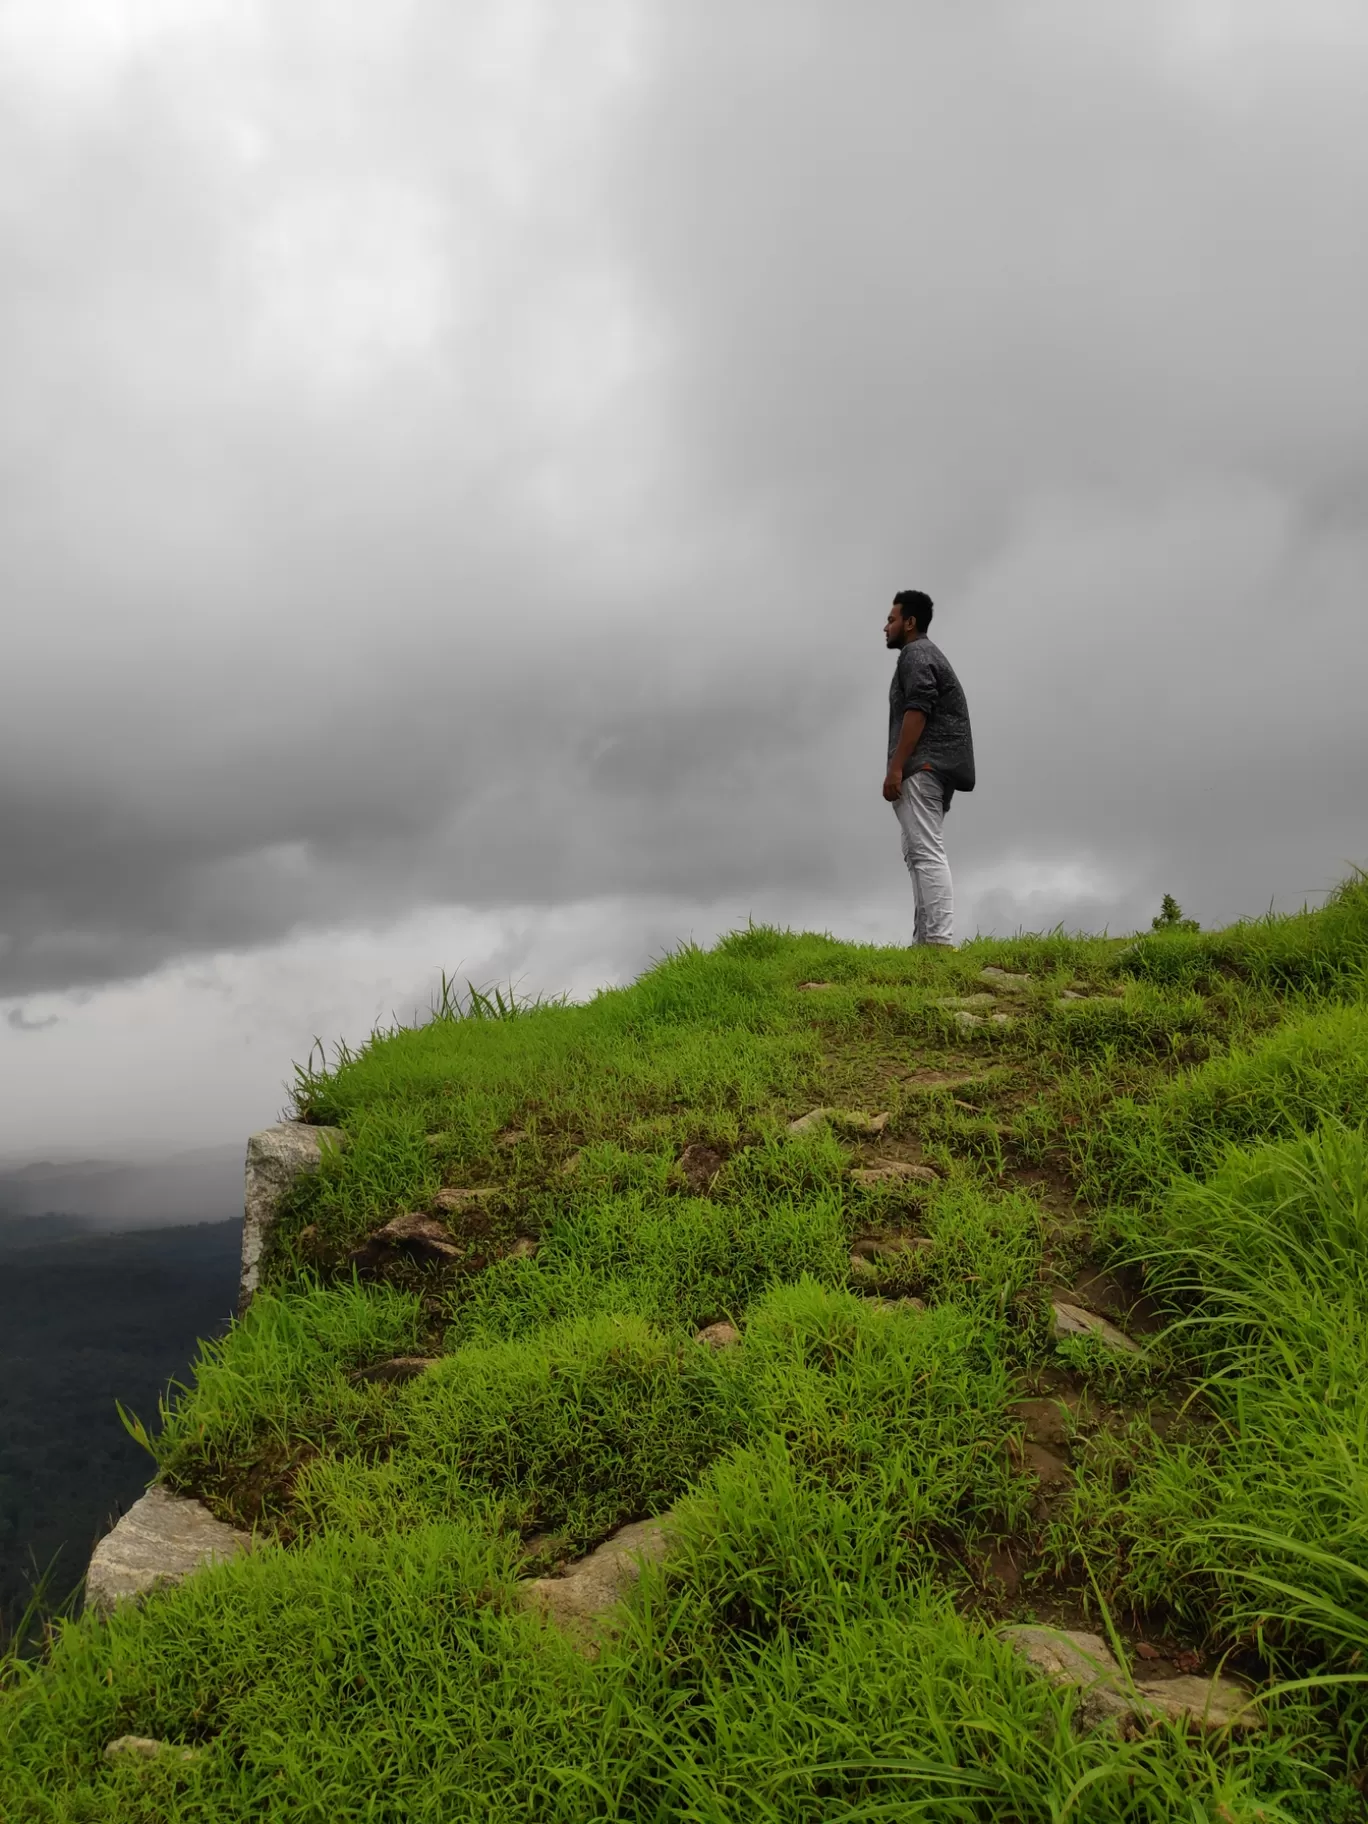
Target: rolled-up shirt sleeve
917, 680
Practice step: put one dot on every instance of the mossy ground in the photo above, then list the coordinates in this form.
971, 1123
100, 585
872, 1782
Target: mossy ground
857, 1503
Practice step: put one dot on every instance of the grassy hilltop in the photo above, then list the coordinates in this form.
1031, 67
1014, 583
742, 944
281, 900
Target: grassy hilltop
898, 1456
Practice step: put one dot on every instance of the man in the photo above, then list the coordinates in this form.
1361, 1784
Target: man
930, 758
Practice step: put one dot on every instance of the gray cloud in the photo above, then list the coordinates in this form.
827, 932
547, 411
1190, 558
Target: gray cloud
19, 1021
451, 468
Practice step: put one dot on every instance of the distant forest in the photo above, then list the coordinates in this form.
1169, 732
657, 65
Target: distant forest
87, 1319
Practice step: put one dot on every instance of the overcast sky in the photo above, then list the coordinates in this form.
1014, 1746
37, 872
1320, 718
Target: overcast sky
456, 461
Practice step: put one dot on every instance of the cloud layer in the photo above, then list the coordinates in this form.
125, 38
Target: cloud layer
461, 457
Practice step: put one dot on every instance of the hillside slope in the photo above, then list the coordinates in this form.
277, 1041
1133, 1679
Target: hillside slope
902, 1447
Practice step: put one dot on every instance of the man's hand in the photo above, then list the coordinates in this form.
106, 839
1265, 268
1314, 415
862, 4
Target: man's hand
912, 725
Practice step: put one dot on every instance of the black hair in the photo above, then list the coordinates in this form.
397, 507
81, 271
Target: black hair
915, 604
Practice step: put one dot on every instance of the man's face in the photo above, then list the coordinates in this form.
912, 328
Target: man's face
897, 631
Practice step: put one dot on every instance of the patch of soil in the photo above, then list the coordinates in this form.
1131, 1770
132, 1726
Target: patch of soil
939, 1079
257, 1497
700, 1165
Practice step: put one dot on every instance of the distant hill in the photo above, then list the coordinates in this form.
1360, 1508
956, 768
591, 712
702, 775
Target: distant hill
200, 1186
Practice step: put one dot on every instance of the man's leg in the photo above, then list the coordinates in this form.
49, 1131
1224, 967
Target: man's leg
921, 813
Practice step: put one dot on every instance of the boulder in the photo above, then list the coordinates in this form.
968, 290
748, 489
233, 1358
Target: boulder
894, 1171
1084, 1662
867, 1253
451, 1199
595, 1586
1003, 981
1073, 1320
1079, 1661
275, 1158
410, 1237
160, 1541
813, 1118
855, 1121
719, 1336
1206, 1703
148, 1748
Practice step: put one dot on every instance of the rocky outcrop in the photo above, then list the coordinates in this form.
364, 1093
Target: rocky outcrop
721, 1335
870, 1253
1072, 1320
1085, 1663
148, 1748
160, 1541
275, 1158
894, 1170
412, 1237
591, 1589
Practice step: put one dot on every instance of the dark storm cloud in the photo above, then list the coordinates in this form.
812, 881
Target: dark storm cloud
492, 494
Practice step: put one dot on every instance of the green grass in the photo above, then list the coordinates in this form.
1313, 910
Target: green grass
820, 1642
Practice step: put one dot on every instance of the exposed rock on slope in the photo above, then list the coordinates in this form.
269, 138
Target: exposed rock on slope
160, 1541
275, 1158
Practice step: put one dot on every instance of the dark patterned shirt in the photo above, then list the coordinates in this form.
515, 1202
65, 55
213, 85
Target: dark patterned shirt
925, 680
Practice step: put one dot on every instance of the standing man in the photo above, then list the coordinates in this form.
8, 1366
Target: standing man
930, 758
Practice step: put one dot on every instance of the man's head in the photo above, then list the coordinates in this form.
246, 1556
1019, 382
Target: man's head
908, 618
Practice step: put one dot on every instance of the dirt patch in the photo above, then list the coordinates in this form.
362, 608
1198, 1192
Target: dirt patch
700, 1165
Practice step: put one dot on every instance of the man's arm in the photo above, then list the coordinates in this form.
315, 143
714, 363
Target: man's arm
913, 724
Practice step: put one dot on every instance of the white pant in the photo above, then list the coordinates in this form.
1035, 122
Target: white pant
921, 813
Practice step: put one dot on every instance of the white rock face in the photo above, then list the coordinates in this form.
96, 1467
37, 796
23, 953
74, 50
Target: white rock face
275, 1158
159, 1541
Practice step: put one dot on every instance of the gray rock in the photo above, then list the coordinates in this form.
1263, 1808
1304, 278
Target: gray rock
719, 1336
1004, 981
452, 1200
965, 1018
911, 1307
866, 1253
148, 1748
275, 1158
414, 1238
856, 1121
813, 1118
1085, 1663
1073, 1320
1206, 1703
894, 1170
593, 1588
951, 1001
160, 1541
